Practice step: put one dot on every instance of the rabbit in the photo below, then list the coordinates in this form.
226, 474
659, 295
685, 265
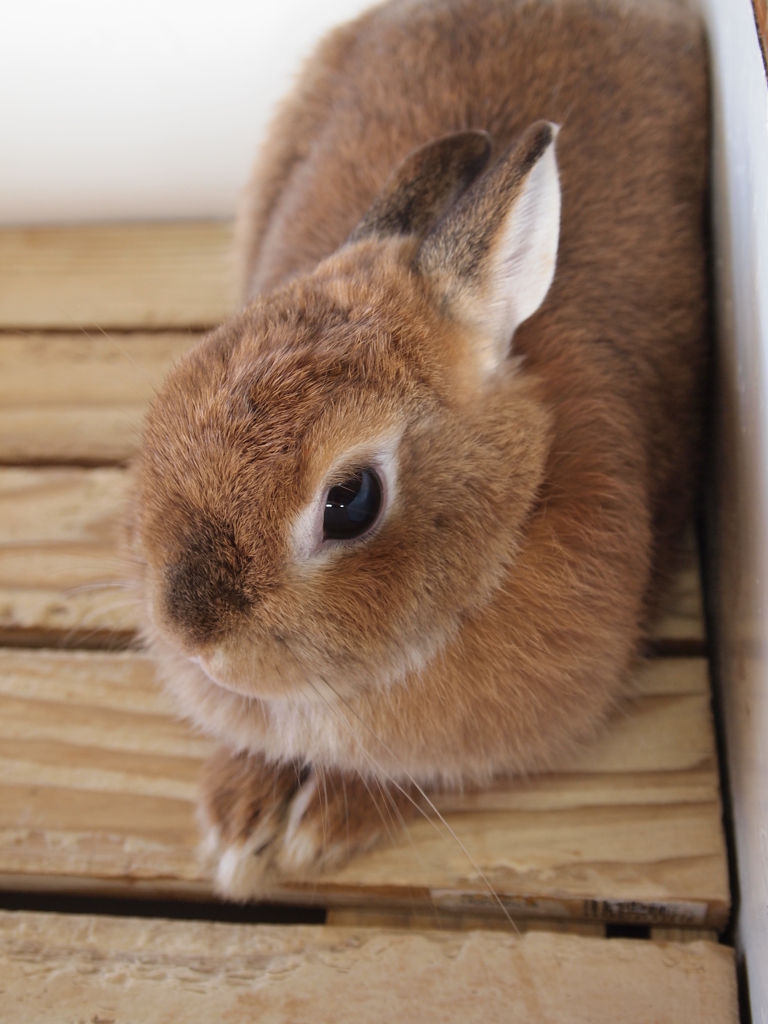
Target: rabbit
402, 523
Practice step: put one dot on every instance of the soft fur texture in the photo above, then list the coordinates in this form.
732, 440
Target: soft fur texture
535, 492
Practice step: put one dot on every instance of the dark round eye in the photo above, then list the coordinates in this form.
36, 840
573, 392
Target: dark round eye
352, 507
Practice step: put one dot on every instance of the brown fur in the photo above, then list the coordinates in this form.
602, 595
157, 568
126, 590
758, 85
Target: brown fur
492, 620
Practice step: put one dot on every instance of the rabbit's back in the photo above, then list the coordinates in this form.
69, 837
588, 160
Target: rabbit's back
626, 81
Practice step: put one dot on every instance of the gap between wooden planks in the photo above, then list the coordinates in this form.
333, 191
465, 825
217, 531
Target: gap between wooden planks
98, 784
55, 968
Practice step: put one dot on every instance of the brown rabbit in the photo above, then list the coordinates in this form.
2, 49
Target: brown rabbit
405, 518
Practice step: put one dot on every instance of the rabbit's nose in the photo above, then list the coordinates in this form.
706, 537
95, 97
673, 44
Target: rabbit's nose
204, 597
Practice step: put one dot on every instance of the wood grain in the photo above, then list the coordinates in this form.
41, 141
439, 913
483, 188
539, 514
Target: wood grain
72, 398
61, 573
75, 969
681, 628
133, 276
353, 917
98, 784
63, 576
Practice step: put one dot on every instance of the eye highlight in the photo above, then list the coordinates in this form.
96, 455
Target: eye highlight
352, 507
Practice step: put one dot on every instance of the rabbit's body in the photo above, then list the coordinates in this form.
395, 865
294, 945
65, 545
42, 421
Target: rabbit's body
534, 500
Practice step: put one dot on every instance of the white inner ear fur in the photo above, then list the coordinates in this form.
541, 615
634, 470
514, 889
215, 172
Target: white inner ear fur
521, 264
306, 530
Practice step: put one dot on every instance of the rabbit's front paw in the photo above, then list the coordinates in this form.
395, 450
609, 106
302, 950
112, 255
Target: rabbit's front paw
242, 814
334, 816
263, 822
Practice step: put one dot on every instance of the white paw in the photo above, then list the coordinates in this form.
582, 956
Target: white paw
301, 845
284, 842
243, 872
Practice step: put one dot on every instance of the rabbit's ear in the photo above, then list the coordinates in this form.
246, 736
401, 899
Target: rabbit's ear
492, 257
425, 185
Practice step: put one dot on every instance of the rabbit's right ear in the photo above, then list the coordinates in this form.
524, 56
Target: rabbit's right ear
491, 259
425, 185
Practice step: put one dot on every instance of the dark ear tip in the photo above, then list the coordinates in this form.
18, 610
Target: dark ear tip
476, 140
465, 152
479, 147
425, 183
537, 138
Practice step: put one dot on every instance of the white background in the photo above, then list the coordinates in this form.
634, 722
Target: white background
146, 109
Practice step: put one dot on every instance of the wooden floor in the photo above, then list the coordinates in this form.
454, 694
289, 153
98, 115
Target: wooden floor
98, 778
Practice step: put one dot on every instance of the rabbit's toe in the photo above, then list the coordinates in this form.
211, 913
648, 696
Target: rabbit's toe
263, 822
334, 816
242, 815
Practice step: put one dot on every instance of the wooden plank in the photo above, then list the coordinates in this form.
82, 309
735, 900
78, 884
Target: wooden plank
77, 398
61, 572
683, 935
63, 578
352, 917
98, 783
116, 276
57, 968
681, 626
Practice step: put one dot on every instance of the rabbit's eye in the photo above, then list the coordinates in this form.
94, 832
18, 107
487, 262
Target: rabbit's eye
352, 507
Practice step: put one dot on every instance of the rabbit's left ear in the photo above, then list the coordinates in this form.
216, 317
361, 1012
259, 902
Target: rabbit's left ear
425, 185
491, 259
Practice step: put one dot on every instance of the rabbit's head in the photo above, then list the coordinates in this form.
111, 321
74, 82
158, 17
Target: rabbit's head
337, 476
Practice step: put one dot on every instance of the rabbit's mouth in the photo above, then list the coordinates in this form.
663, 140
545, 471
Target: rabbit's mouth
275, 673
202, 664
225, 669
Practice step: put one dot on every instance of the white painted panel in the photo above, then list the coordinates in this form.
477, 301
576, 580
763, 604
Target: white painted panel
738, 523
143, 109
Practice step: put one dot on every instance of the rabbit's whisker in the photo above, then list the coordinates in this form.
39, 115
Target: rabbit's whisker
88, 588
495, 896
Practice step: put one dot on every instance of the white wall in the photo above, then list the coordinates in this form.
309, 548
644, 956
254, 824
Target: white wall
151, 108
738, 524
